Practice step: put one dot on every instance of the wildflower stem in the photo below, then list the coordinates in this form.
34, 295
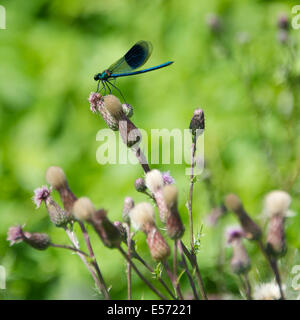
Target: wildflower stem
157, 292
179, 245
92, 255
248, 289
98, 281
193, 262
128, 264
274, 266
142, 159
54, 245
138, 257
190, 201
174, 281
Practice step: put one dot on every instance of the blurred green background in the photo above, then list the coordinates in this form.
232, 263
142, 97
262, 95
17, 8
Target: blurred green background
244, 73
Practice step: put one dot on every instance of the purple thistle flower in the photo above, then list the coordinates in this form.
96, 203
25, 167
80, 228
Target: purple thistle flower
41, 194
95, 100
167, 178
15, 234
234, 233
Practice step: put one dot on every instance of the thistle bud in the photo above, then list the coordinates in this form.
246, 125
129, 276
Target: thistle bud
155, 183
39, 241
95, 100
216, 214
127, 109
251, 229
56, 177
140, 185
107, 231
240, 262
57, 215
167, 178
174, 226
283, 22
128, 205
142, 217
83, 209
197, 123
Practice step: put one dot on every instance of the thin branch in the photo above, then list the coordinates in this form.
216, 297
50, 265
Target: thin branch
157, 292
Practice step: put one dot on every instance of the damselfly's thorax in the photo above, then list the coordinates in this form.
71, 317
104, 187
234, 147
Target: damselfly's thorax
102, 76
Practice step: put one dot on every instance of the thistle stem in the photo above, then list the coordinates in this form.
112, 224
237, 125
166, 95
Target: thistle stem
174, 281
274, 266
157, 292
55, 245
187, 270
128, 264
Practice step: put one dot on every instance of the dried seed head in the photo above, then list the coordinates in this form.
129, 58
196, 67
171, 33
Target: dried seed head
113, 106
154, 180
233, 202
83, 209
267, 291
142, 216
128, 205
277, 203
159, 248
140, 185
56, 177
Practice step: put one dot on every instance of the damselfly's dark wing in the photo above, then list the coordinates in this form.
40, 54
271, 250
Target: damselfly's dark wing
133, 59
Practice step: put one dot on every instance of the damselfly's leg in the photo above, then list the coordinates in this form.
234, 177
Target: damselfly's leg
117, 90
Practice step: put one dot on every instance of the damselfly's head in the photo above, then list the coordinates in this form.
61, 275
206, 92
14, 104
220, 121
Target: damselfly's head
97, 76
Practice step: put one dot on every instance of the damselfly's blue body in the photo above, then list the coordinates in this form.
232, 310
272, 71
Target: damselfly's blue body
133, 59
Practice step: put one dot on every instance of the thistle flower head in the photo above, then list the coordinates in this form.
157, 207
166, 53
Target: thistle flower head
267, 291
167, 178
140, 185
83, 209
142, 215
277, 203
113, 106
41, 194
95, 100
56, 177
234, 233
154, 180
15, 234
